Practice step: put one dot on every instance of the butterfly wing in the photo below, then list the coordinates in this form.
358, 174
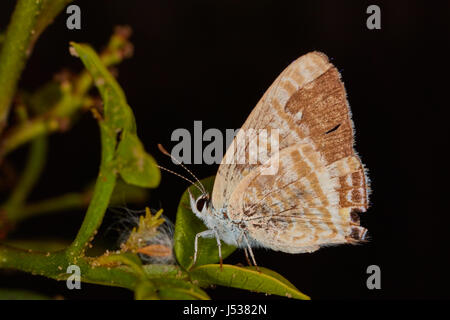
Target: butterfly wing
307, 104
305, 205
270, 113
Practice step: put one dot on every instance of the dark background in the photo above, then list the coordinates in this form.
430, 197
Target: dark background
212, 61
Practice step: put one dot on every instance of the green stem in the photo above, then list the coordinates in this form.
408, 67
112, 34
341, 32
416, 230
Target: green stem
71, 101
29, 177
37, 127
103, 190
54, 265
65, 202
78, 200
50, 9
15, 51
41, 263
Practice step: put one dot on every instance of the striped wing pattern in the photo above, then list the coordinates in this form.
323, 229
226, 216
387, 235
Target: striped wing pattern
320, 183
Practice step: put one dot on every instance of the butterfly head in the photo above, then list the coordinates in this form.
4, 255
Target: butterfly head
200, 205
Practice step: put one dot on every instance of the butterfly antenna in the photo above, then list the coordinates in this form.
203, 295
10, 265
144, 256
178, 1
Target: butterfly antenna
182, 177
164, 151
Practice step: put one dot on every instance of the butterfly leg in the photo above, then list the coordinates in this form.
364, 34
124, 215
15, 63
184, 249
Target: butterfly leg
247, 258
251, 253
219, 247
203, 234
239, 240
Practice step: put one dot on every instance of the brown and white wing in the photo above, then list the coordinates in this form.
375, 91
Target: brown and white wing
306, 101
306, 204
308, 106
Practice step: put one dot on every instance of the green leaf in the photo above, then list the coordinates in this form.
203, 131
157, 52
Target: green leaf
167, 283
125, 193
135, 165
117, 113
153, 281
17, 294
266, 281
187, 226
145, 290
174, 289
164, 271
42, 245
175, 294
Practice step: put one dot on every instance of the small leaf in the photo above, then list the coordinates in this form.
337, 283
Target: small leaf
126, 193
42, 245
164, 282
175, 294
187, 226
135, 165
266, 281
164, 271
174, 289
145, 290
171, 283
17, 294
117, 112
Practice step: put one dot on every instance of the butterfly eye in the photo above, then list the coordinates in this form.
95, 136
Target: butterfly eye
201, 202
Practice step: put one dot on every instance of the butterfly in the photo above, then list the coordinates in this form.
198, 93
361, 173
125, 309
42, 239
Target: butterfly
320, 185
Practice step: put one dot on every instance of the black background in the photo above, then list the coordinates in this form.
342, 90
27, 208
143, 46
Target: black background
212, 61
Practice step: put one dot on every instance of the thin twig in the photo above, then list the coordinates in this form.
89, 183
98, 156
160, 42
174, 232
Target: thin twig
73, 99
15, 51
31, 173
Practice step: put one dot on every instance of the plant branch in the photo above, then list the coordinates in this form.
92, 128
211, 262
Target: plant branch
26, 132
73, 98
78, 200
41, 263
138, 167
10, 210
15, 51
54, 265
65, 202
29, 20
103, 190
29, 177
116, 123
50, 9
